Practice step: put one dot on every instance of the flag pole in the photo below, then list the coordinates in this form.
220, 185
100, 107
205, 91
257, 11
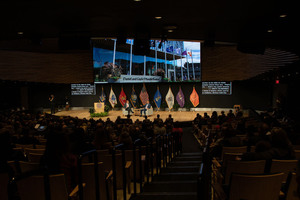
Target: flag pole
114, 55
155, 56
174, 61
144, 65
187, 65
130, 67
166, 67
193, 66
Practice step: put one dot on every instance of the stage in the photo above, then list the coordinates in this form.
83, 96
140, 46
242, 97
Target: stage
181, 116
177, 115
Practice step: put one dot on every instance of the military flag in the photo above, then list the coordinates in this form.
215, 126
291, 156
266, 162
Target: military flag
194, 98
170, 99
112, 98
122, 97
133, 98
180, 98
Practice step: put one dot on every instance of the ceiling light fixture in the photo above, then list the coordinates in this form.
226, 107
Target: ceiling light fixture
270, 31
158, 17
282, 16
20, 33
170, 31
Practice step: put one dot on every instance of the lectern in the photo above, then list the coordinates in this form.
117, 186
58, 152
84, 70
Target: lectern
99, 107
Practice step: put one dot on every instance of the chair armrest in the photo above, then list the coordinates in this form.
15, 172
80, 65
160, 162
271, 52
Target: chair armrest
75, 190
216, 163
128, 164
109, 175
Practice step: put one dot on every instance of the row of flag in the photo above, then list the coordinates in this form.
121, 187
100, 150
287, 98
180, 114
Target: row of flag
144, 97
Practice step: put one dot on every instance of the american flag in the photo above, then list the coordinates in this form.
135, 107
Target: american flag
144, 95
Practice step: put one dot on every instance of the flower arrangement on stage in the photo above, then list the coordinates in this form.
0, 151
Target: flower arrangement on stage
103, 114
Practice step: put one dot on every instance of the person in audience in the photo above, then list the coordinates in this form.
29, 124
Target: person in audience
160, 129
280, 148
26, 138
58, 158
126, 140
157, 119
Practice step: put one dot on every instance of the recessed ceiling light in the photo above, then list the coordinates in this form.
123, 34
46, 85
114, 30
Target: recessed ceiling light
20, 33
270, 31
282, 16
170, 31
158, 17
137, 0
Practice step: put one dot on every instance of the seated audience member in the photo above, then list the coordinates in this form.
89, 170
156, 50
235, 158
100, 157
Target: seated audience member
228, 139
126, 140
280, 148
6, 151
160, 129
157, 120
101, 140
59, 159
26, 138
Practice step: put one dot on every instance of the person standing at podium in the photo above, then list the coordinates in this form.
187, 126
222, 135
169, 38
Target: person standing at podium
127, 107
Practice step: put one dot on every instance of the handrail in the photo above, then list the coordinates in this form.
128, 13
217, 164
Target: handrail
80, 186
204, 176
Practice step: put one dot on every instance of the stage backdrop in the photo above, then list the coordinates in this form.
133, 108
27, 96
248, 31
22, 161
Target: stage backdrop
249, 94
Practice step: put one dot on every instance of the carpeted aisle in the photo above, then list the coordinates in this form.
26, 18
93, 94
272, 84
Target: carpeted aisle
178, 181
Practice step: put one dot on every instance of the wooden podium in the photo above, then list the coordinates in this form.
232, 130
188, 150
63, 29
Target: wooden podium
99, 107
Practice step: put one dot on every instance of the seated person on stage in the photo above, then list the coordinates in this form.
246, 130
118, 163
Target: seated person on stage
127, 107
146, 107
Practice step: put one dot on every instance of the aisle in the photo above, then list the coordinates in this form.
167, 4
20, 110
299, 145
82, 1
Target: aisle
189, 142
179, 180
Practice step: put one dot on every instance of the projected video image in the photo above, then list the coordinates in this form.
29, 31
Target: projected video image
165, 61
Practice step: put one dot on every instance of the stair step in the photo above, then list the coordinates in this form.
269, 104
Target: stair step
176, 176
192, 154
181, 169
171, 186
166, 196
186, 163
188, 158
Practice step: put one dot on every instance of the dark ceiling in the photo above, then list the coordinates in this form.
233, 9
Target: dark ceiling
240, 22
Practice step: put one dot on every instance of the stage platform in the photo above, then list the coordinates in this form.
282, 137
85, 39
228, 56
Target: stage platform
177, 115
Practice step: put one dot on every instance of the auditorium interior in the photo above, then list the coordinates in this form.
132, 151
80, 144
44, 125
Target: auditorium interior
213, 107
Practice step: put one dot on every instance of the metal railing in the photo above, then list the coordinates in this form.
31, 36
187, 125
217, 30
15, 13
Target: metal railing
162, 149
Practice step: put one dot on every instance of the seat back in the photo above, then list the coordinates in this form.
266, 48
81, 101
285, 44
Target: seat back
291, 193
119, 171
34, 157
244, 167
35, 151
28, 166
285, 166
255, 187
100, 156
242, 149
297, 154
32, 188
229, 156
88, 177
4, 178
129, 157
